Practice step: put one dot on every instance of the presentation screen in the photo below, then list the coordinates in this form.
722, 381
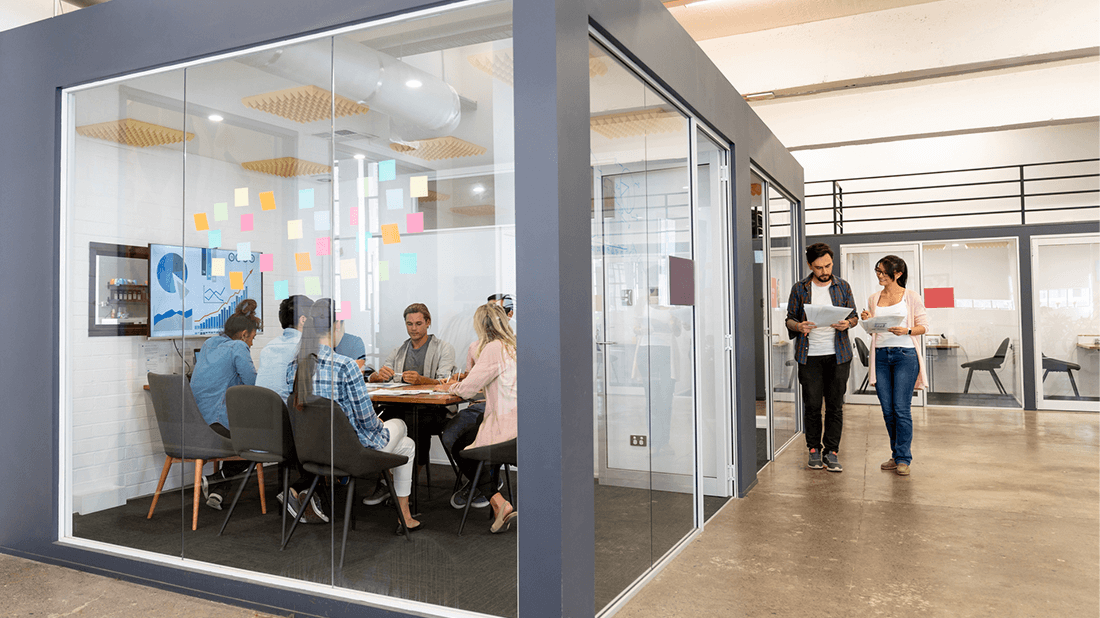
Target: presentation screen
192, 291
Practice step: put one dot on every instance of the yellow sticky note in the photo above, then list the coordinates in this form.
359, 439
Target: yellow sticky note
294, 229
267, 200
240, 197
302, 260
348, 270
201, 225
217, 267
418, 186
236, 280
390, 234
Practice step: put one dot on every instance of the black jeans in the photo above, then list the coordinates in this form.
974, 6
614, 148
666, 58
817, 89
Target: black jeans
821, 377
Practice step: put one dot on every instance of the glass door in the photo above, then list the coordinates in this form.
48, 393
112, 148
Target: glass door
859, 266
765, 340
785, 400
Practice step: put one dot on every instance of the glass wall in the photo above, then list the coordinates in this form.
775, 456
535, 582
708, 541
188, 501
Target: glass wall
1066, 297
373, 168
644, 335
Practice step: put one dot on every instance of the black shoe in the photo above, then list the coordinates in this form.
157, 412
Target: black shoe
381, 494
401, 528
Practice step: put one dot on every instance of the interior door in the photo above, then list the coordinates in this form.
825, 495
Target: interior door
859, 271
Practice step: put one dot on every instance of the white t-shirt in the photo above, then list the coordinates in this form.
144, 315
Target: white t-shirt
890, 340
822, 337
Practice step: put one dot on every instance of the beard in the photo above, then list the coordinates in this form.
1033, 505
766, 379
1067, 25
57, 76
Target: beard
824, 278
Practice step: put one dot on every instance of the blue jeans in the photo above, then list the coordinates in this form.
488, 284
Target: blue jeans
896, 372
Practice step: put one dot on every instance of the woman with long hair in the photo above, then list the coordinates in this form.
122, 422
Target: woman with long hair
321, 372
896, 366
494, 371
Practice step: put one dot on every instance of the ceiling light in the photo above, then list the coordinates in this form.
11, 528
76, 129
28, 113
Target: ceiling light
759, 96
478, 189
360, 157
413, 83
215, 118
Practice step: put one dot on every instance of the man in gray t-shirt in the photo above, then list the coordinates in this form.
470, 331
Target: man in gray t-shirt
422, 358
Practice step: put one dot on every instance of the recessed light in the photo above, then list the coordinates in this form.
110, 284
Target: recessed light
215, 118
478, 189
360, 156
413, 83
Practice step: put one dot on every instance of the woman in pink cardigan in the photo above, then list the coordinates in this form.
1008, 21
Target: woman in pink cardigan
897, 366
494, 371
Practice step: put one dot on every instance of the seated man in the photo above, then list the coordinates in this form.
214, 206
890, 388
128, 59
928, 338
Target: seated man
508, 304
348, 345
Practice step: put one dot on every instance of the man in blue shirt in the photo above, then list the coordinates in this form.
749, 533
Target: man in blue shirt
277, 355
824, 355
349, 345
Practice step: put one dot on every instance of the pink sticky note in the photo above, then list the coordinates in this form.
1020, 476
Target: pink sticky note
246, 223
355, 215
324, 246
344, 312
267, 262
414, 222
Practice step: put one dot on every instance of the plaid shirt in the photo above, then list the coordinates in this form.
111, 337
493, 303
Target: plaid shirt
338, 378
841, 294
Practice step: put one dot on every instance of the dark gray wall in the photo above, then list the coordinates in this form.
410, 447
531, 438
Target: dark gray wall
1023, 232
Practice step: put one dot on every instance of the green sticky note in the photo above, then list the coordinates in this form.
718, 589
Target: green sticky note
221, 211
313, 285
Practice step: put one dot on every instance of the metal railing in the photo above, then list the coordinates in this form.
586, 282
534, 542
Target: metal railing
1056, 191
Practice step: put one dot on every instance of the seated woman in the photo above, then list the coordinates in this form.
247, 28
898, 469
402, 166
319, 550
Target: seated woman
224, 361
495, 372
320, 372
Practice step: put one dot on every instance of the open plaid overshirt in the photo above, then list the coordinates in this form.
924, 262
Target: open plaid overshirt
841, 295
338, 378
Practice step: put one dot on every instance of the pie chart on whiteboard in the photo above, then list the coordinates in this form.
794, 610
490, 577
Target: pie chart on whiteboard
171, 272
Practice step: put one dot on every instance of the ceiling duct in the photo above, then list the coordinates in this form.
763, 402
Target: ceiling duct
368, 77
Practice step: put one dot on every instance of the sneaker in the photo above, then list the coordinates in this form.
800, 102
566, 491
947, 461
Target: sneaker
380, 495
889, 464
315, 514
458, 499
832, 464
815, 460
213, 498
292, 504
903, 469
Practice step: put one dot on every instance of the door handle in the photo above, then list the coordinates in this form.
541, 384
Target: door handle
607, 343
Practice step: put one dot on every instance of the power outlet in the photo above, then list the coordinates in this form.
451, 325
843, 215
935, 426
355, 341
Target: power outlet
637, 440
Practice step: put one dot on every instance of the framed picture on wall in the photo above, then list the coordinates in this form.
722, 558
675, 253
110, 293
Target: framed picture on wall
118, 292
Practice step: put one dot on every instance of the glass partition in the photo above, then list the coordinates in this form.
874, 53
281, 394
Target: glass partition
763, 341
1066, 295
644, 335
784, 371
373, 169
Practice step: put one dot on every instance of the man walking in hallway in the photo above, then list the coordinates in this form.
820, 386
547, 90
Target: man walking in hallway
823, 353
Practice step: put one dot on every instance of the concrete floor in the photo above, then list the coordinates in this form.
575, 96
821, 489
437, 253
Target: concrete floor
1001, 517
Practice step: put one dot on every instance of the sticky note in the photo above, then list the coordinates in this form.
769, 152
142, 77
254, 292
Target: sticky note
236, 280
348, 270
384, 270
418, 186
344, 312
324, 246
294, 229
414, 222
301, 260
408, 263
305, 198
240, 197
387, 170
214, 239
200, 222
313, 285
221, 211
282, 290
217, 267
370, 186
390, 235
267, 200
355, 215
246, 223
267, 262
395, 199
320, 220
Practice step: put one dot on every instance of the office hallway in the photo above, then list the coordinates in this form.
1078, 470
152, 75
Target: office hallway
999, 518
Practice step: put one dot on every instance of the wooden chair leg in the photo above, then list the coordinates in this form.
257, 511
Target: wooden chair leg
260, 480
168, 461
198, 490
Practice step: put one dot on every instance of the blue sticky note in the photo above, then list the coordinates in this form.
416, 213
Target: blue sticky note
305, 198
320, 220
282, 290
214, 239
395, 199
244, 252
387, 170
408, 263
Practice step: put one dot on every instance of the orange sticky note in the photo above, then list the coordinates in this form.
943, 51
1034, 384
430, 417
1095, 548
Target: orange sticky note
302, 260
236, 280
201, 224
267, 200
390, 234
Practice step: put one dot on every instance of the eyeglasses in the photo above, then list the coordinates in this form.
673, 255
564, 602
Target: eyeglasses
879, 271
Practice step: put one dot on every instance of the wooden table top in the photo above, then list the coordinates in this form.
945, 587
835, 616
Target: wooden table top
436, 399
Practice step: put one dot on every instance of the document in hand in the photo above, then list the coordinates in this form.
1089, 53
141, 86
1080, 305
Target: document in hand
882, 324
826, 315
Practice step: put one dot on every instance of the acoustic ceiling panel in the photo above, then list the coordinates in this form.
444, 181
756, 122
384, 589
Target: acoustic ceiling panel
134, 133
287, 167
449, 147
640, 122
304, 104
500, 64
